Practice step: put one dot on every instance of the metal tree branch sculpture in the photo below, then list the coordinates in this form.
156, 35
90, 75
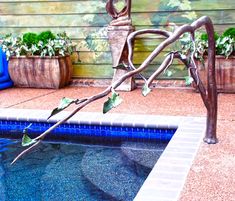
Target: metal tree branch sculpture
209, 95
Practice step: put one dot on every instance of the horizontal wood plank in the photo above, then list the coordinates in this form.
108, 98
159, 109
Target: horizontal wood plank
97, 6
80, 33
92, 71
139, 19
106, 57
106, 71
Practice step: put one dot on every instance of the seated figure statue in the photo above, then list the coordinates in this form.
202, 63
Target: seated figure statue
118, 30
121, 18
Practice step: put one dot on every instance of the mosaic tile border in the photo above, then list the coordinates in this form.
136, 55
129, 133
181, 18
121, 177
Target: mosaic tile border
86, 133
168, 176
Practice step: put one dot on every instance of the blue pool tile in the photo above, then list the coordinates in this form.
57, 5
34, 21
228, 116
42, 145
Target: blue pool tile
76, 130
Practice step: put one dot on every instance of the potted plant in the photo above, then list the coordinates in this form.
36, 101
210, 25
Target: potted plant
39, 60
225, 58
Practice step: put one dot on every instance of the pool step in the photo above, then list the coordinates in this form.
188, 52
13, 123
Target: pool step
64, 180
145, 154
60, 180
110, 171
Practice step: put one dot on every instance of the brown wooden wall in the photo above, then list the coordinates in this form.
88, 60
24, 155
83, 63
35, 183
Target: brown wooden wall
85, 22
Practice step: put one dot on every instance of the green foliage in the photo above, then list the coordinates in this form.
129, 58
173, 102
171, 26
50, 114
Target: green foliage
45, 36
120, 66
64, 103
145, 90
26, 140
43, 44
30, 39
225, 44
112, 102
230, 32
169, 73
204, 36
188, 80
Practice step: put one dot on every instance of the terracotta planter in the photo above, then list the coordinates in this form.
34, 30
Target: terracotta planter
225, 73
40, 72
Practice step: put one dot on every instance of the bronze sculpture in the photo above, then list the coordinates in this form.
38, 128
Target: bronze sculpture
122, 18
208, 94
123, 54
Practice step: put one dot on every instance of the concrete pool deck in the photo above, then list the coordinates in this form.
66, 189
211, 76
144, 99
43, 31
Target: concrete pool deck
211, 175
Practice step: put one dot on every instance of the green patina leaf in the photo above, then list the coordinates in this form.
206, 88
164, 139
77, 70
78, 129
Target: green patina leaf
107, 105
145, 90
27, 141
188, 80
116, 99
112, 102
64, 103
120, 66
25, 131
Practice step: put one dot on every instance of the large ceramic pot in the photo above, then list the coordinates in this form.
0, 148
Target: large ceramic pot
40, 72
225, 73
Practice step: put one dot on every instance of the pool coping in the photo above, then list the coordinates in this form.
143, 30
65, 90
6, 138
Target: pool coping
167, 178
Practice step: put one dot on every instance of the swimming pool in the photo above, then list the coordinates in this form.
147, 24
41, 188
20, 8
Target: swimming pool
168, 175
65, 171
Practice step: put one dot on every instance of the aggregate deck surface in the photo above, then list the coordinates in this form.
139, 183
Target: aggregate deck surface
212, 174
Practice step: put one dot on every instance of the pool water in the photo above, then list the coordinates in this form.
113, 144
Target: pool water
69, 171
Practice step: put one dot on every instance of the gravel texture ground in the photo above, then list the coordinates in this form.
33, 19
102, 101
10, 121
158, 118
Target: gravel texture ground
212, 174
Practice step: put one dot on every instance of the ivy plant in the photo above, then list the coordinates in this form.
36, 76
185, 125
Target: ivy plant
225, 44
43, 44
